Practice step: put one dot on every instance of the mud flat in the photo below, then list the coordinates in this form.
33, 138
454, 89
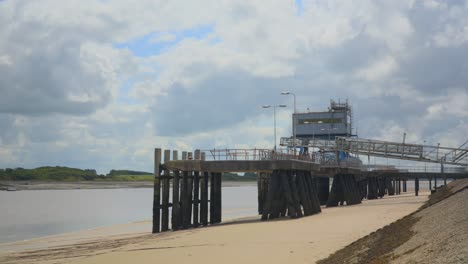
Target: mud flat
436, 233
45, 185
247, 240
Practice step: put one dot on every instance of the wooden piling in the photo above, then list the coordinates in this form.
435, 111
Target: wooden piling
156, 191
176, 220
219, 195
323, 189
390, 186
196, 191
405, 189
416, 186
212, 198
204, 199
286, 184
273, 187
165, 194
344, 189
204, 196
215, 198
259, 193
373, 189
312, 187
382, 185
183, 196
190, 191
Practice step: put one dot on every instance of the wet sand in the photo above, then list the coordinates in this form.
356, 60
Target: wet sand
247, 240
50, 185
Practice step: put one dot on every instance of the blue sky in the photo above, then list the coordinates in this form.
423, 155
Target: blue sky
146, 46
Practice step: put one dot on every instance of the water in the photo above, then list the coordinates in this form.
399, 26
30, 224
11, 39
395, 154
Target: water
30, 214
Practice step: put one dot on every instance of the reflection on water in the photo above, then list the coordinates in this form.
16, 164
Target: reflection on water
28, 214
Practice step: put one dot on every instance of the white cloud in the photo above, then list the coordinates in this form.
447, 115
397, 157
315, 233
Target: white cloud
68, 92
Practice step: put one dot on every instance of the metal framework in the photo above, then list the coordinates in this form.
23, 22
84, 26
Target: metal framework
387, 149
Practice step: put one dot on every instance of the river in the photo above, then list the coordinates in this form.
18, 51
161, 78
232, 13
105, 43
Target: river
30, 214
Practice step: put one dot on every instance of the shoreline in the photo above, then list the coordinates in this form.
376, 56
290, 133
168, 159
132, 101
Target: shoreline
302, 240
51, 185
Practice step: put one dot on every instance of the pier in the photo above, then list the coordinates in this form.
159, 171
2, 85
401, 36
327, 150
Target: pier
289, 185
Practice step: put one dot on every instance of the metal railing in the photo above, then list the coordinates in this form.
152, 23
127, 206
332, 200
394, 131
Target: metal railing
418, 169
259, 154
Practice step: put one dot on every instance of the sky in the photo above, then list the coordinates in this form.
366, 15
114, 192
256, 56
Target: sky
100, 84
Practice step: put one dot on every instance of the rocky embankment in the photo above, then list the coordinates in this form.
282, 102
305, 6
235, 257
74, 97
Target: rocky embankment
436, 233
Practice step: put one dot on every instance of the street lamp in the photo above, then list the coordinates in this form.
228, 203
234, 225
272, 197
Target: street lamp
294, 120
274, 116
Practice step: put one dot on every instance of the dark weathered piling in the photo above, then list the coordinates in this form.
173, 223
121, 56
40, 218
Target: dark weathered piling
215, 198
204, 195
312, 186
362, 184
323, 189
344, 189
381, 180
405, 189
176, 219
270, 209
302, 189
157, 191
196, 191
212, 198
416, 186
290, 197
204, 199
373, 188
219, 195
190, 191
389, 185
165, 194
183, 196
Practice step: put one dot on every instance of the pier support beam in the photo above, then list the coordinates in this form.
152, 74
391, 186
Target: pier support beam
344, 189
262, 187
323, 189
416, 186
373, 188
389, 183
157, 191
165, 193
292, 193
176, 220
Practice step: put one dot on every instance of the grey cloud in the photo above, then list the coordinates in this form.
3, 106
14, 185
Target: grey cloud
224, 99
46, 72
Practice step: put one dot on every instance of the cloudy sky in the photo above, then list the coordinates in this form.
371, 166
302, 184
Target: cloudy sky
100, 84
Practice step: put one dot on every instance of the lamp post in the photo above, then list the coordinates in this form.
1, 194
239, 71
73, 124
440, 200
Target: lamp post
294, 119
274, 117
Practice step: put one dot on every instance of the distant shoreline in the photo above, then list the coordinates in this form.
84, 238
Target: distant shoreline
57, 185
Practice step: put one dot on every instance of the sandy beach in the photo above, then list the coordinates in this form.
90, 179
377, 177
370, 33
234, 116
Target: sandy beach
247, 240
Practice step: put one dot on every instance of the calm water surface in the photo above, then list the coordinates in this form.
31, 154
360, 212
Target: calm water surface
29, 214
